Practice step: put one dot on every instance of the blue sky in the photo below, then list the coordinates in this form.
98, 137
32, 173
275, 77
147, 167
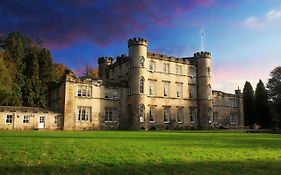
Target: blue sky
243, 36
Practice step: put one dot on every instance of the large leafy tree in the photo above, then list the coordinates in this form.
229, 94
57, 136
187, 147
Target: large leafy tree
5, 83
274, 89
248, 102
30, 68
262, 110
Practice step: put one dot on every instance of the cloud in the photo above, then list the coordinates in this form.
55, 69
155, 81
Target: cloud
252, 22
61, 23
266, 20
273, 15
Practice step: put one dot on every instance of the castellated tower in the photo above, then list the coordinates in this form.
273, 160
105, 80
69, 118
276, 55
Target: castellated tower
104, 63
137, 73
204, 89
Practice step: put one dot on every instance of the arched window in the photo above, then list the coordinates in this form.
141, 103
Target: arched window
141, 113
141, 85
141, 61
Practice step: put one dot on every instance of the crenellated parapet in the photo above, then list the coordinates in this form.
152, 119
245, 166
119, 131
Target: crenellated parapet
137, 41
202, 54
105, 60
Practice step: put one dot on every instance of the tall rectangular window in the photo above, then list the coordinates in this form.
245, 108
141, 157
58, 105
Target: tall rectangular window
141, 113
179, 90
141, 85
84, 114
130, 88
57, 120
111, 115
193, 112
233, 118
152, 114
152, 66
192, 92
166, 68
180, 114
151, 87
166, 89
166, 115
215, 117
9, 119
178, 70
191, 72
26, 119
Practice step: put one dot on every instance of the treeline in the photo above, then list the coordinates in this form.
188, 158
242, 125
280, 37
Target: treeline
262, 107
27, 71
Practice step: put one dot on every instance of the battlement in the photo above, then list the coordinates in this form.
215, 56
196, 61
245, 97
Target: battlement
202, 54
137, 41
105, 60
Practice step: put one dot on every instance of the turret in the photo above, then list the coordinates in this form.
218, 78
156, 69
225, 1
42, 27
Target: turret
204, 89
137, 79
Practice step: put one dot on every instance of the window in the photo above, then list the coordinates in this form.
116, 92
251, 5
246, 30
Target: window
166, 89
180, 114
141, 61
110, 93
209, 91
141, 113
151, 87
111, 115
233, 102
57, 120
9, 119
129, 63
233, 118
166, 68
210, 115
192, 115
192, 92
141, 85
84, 114
166, 114
151, 114
84, 91
152, 66
191, 72
215, 117
179, 90
178, 70
209, 71
26, 119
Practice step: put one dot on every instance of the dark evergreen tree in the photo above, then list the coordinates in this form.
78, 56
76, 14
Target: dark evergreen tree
262, 110
5, 83
274, 89
248, 102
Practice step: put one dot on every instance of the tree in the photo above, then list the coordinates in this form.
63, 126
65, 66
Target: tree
5, 83
248, 103
262, 110
89, 71
274, 89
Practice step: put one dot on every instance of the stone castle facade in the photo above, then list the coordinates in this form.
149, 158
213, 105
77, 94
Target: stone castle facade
149, 91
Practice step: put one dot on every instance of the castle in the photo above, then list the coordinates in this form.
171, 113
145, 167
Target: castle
146, 91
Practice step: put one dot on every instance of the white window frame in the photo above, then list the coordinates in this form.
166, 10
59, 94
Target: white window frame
84, 91
166, 68
9, 119
84, 114
179, 90
233, 118
166, 89
166, 114
151, 87
25, 119
141, 113
178, 70
57, 119
152, 66
151, 114
110, 115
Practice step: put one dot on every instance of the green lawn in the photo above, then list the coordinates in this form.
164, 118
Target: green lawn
129, 152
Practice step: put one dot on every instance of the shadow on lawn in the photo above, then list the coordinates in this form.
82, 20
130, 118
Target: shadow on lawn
206, 167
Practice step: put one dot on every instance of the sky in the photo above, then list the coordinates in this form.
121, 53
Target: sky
244, 36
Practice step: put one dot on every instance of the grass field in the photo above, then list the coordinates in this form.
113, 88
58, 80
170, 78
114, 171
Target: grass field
129, 152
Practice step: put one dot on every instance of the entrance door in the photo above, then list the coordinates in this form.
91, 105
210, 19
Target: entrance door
41, 123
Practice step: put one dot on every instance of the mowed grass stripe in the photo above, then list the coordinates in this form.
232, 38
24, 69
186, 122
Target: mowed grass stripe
132, 152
